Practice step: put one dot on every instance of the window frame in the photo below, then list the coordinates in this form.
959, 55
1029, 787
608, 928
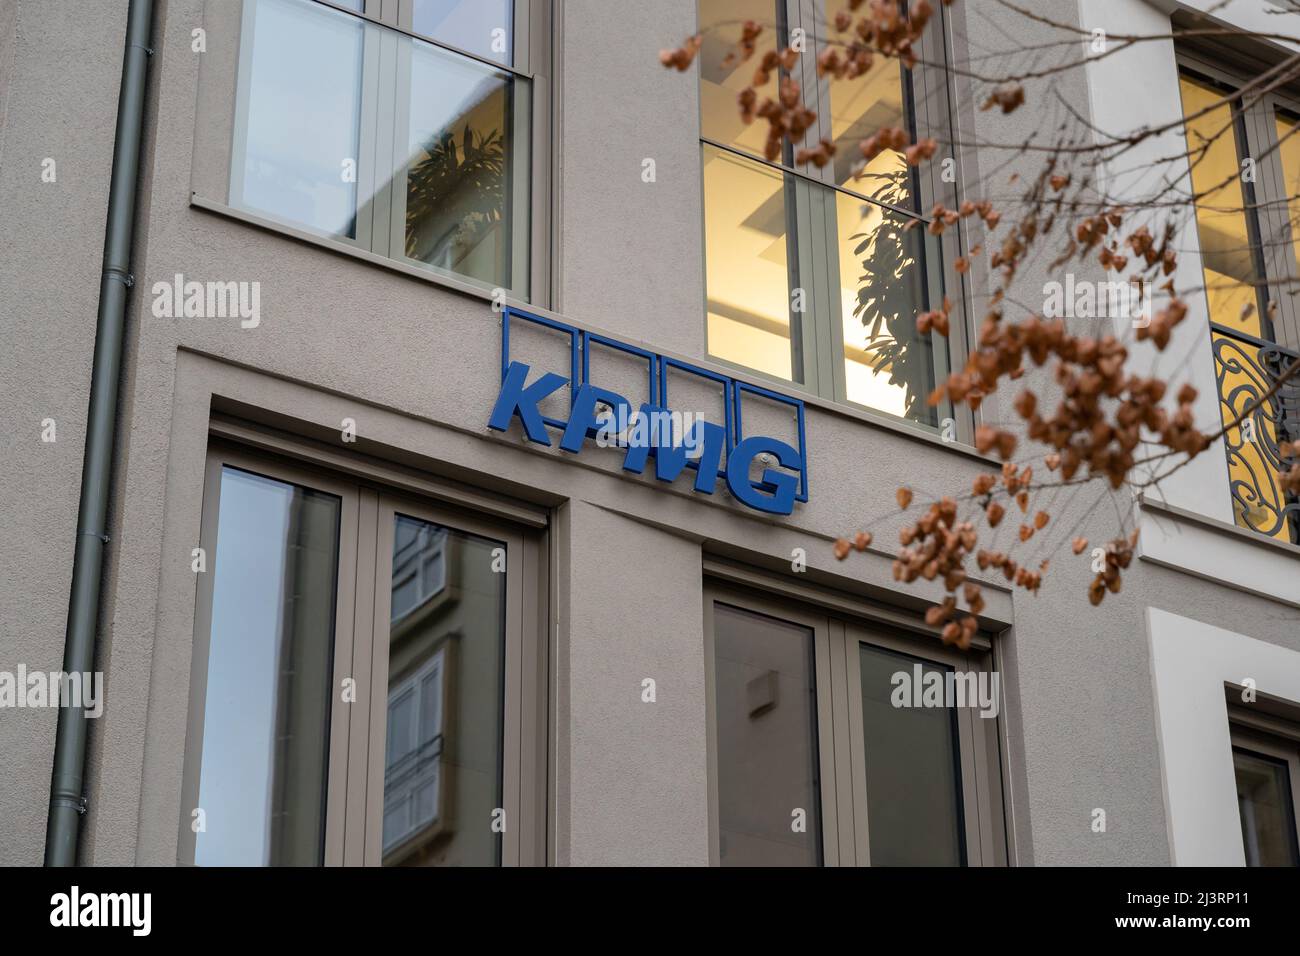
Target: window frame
353, 825
383, 111
837, 631
817, 334
1272, 738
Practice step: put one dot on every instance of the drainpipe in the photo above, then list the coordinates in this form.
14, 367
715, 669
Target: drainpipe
67, 803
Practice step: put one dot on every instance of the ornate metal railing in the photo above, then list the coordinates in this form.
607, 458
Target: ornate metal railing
1247, 368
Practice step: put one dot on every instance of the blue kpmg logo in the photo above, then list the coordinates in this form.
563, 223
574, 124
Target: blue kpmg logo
676, 441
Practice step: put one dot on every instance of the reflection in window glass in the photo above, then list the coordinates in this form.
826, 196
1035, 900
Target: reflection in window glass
913, 787
460, 166
1288, 152
482, 27
300, 107
442, 753
722, 80
1227, 257
1267, 818
888, 365
748, 263
266, 710
765, 708
860, 107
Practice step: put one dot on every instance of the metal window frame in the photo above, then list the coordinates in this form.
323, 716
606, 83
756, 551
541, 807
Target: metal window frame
355, 775
838, 628
1264, 738
817, 335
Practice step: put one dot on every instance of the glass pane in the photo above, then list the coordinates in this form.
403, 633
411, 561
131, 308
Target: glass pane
1267, 818
888, 365
442, 771
913, 782
860, 107
766, 707
267, 705
465, 169
1288, 137
299, 116
748, 263
721, 22
1227, 258
482, 27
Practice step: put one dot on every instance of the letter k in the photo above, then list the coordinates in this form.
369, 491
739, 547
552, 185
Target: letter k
515, 399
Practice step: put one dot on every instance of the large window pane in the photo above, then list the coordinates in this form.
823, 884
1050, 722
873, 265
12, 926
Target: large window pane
443, 735
913, 783
721, 80
1227, 257
299, 111
465, 168
266, 711
888, 365
748, 263
482, 27
765, 709
1267, 818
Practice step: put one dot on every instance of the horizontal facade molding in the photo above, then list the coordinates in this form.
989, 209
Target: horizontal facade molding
1225, 554
863, 415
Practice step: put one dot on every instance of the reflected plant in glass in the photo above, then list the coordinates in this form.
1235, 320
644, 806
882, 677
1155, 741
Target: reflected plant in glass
455, 195
890, 294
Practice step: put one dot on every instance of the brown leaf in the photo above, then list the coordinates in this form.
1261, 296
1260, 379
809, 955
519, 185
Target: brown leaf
904, 497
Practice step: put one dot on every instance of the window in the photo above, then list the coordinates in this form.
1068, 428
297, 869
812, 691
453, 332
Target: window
361, 665
1243, 173
843, 743
1266, 764
409, 135
812, 275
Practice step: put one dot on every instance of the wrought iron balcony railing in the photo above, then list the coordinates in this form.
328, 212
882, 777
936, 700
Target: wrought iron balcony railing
1247, 369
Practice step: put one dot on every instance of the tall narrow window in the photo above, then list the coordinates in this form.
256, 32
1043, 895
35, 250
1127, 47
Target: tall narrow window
1267, 808
765, 706
1231, 208
816, 276
446, 677
913, 773
268, 688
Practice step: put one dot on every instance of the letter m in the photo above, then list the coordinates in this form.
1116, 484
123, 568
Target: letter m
670, 458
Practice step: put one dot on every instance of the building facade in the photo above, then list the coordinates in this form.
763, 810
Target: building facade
378, 590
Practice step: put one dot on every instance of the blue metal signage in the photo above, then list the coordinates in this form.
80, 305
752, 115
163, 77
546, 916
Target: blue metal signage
676, 442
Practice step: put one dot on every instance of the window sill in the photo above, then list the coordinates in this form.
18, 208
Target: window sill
333, 245
855, 413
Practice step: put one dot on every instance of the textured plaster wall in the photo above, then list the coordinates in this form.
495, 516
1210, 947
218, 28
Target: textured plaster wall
60, 66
